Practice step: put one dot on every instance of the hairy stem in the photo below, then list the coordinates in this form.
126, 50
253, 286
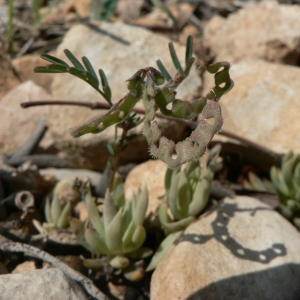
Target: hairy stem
191, 124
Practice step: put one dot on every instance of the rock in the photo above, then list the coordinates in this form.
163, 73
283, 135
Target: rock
117, 290
45, 284
128, 10
17, 124
269, 31
158, 18
152, 174
120, 51
25, 66
241, 249
264, 104
24, 267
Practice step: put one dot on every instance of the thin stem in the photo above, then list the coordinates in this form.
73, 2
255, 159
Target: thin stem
36, 13
92, 105
191, 124
102, 94
118, 149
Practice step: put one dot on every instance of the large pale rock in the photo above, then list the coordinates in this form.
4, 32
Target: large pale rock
241, 249
16, 123
264, 104
49, 284
152, 174
120, 50
269, 31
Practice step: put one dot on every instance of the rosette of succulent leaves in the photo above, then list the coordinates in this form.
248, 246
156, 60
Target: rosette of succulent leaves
116, 232
157, 90
187, 194
255, 183
59, 206
285, 181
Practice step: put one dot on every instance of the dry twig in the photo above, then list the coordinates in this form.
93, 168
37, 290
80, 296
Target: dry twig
28, 250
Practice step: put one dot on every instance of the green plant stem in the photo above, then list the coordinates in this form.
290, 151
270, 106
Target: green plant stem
191, 124
36, 14
116, 162
103, 95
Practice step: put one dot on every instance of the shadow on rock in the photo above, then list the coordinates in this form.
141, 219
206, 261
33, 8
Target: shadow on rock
241, 287
225, 212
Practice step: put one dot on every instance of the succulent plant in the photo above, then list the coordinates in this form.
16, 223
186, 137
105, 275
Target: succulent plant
187, 195
257, 184
157, 89
163, 249
59, 209
118, 232
286, 181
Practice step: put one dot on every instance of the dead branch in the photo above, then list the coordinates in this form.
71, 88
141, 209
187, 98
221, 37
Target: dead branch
28, 250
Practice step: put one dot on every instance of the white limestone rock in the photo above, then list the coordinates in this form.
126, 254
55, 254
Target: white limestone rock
48, 284
263, 105
241, 249
269, 30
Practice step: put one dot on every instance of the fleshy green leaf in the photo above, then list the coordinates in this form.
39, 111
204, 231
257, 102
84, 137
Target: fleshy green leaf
93, 81
163, 70
109, 210
78, 73
179, 225
189, 66
175, 59
105, 85
162, 250
89, 67
54, 60
94, 214
51, 69
113, 236
118, 191
141, 208
77, 64
189, 49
